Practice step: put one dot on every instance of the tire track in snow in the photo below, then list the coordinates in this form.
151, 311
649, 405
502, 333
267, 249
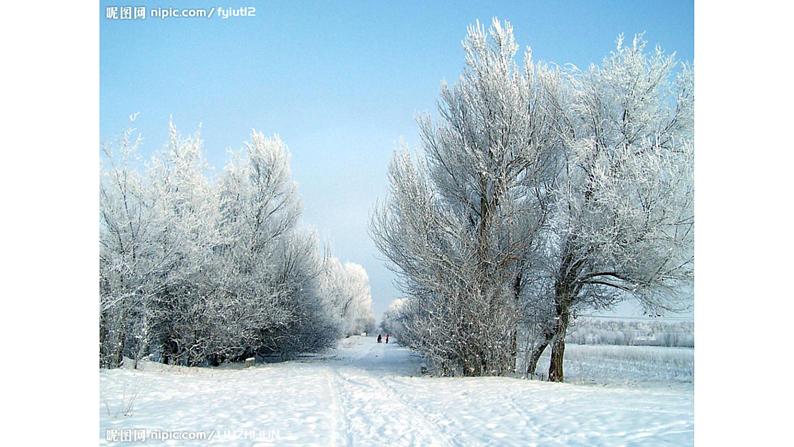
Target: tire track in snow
413, 423
433, 420
341, 427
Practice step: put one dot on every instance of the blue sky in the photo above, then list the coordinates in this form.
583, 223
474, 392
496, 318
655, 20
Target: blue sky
340, 81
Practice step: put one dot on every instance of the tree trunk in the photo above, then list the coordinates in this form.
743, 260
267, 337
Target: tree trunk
141, 352
513, 349
532, 365
557, 356
558, 341
144, 341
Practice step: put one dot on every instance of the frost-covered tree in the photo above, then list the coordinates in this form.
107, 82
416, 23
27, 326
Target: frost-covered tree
197, 271
460, 222
622, 216
258, 209
346, 287
541, 192
127, 269
391, 323
183, 218
310, 324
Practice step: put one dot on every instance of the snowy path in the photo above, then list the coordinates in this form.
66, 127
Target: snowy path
368, 394
376, 413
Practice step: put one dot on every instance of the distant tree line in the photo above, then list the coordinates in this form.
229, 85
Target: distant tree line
591, 331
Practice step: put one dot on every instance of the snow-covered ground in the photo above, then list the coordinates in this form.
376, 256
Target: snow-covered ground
368, 394
634, 366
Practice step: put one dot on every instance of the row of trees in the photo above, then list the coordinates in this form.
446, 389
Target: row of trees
541, 191
390, 321
196, 271
346, 287
590, 331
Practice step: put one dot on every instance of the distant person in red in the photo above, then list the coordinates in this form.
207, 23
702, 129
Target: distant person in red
378, 338
387, 338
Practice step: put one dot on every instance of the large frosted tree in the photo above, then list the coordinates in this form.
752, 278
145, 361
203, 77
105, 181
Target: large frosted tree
540, 192
129, 270
460, 222
622, 219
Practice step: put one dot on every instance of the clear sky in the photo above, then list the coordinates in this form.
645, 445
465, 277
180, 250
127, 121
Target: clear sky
340, 81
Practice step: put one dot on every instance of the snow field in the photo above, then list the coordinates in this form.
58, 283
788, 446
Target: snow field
367, 394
